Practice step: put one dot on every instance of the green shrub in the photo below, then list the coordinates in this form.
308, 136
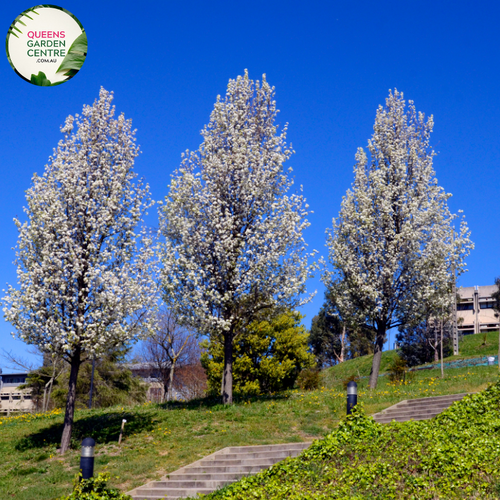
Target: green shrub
267, 357
95, 489
398, 372
350, 378
113, 385
308, 380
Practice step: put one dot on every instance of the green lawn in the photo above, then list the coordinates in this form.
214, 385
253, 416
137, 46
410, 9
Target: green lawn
477, 345
159, 439
471, 346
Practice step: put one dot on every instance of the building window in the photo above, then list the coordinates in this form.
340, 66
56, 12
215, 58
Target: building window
486, 305
465, 307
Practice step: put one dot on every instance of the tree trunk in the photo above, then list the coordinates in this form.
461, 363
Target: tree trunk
342, 345
377, 357
70, 402
441, 351
49, 394
91, 384
227, 378
436, 355
44, 396
50, 384
171, 382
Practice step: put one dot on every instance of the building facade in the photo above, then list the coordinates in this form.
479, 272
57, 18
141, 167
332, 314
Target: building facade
475, 312
13, 399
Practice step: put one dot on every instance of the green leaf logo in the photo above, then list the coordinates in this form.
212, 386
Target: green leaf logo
76, 56
40, 79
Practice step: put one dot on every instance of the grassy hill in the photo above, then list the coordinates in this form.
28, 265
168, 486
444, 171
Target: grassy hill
161, 438
471, 346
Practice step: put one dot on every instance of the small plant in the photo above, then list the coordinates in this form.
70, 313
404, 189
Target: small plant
398, 371
95, 489
350, 378
308, 380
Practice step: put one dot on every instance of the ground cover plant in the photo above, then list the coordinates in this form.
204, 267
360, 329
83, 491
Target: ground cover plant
455, 455
159, 439
94, 488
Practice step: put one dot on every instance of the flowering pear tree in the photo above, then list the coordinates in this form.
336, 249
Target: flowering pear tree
392, 246
233, 236
85, 273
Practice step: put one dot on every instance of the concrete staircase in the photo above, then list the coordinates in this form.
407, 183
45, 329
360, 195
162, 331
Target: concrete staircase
216, 470
416, 409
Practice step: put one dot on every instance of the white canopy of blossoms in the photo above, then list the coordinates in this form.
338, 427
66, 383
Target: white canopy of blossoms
85, 275
233, 236
393, 247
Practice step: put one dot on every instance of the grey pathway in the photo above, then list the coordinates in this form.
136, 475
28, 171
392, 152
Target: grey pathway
416, 409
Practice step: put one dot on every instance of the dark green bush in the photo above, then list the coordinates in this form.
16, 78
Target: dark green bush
308, 380
398, 372
350, 378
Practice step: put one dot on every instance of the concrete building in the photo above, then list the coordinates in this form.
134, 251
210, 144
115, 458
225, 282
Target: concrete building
12, 399
149, 375
190, 381
475, 313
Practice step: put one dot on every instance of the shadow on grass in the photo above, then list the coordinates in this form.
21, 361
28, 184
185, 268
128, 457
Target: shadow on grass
103, 428
215, 402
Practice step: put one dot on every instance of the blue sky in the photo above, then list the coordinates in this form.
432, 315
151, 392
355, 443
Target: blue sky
332, 64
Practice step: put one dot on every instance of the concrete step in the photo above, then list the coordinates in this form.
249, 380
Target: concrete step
434, 400
199, 481
213, 476
405, 414
257, 454
406, 410
157, 494
388, 420
266, 447
223, 462
218, 469
220, 476
226, 469
417, 409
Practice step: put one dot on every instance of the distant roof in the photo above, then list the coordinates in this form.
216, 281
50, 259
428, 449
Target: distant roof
485, 291
139, 366
20, 374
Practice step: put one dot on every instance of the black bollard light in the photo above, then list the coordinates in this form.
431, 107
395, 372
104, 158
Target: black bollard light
87, 458
352, 396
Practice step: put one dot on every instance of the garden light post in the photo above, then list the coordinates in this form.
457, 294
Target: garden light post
352, 396
87, 458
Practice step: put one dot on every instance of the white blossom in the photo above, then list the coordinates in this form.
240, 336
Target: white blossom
84, 267
233, 234
392, 247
